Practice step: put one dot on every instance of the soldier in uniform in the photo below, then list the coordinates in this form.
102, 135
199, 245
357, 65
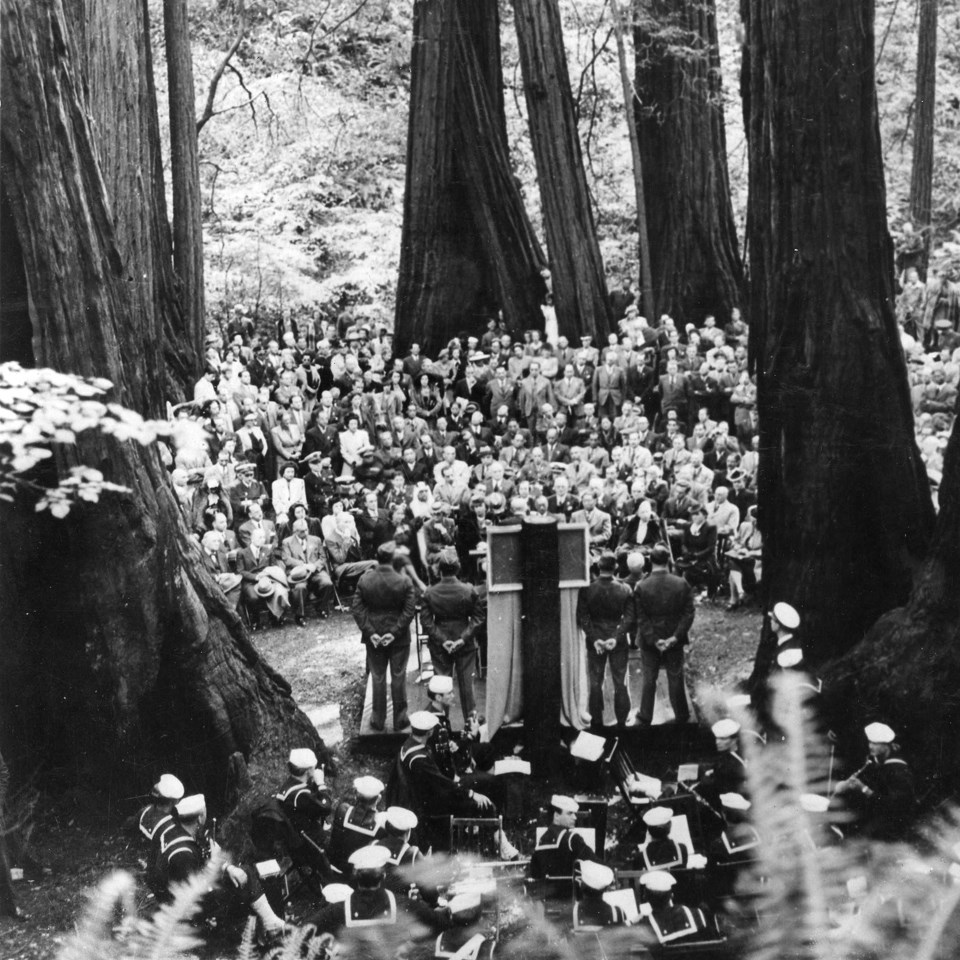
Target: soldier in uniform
357, 824
180, 856
592, 910
672, 922
464, 940
453, 613
559, 847
605, 613
306, 802
660, 852
158, 815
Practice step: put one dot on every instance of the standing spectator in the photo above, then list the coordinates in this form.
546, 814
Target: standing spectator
609, 387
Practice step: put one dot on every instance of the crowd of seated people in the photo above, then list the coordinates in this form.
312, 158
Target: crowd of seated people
322, 444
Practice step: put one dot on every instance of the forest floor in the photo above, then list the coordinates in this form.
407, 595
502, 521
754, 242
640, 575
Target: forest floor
78, 837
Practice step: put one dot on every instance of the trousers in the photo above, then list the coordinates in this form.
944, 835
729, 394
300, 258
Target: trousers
464, 665
652, 660
378, 660
596, 668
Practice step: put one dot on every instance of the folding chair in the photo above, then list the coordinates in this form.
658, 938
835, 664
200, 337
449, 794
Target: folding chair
476, 835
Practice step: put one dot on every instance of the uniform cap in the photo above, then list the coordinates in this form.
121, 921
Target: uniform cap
734, 801
189, 808
814, 803
786, 615
739, 701
790, 657
336, 892
658, 881
303, 758
168, 787
373, 857
879, 733
564, 804
400, 818
423, 721
658, 817
440, 684
596, 876
368, 787
728, 727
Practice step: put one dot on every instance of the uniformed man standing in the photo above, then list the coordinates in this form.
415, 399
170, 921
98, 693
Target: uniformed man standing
605, 614
180, 856
559, 846
357, 824
452, 614
306, 802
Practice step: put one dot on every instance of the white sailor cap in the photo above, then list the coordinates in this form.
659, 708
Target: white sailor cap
658, 881
879, 733
464, 903
423, 721
336, 892
738, 701
168, 787
814, 803
596, 876
189, 808
786, 615
658, 816
564, 804
400, 818
440, 684
303, 758
368, 787
791, 657
728, 727
734, 801
373, 857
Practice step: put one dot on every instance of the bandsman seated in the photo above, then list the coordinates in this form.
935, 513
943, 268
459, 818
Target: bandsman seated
183, 851
306, 802
591, 910
158, 815
674, 922
356, 824
465, 940
559, 846
660, 852
728, 771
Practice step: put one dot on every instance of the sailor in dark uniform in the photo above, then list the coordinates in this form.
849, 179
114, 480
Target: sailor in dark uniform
306, 802
370, 909
464, 940
158, 815
357, 824
591, 910
728, 772
660, 852
737, 844
558, 847
820, 831
180, 856
673, 922
401, 875
883, 790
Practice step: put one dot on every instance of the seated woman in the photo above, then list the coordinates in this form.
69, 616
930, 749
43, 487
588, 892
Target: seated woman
745, 549
697, 562
264, 580
287, 490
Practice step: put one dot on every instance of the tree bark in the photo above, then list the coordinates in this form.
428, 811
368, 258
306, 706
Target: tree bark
921, 176
468, 248
844, 501
185, 175
120, 653
679, 109
579, 284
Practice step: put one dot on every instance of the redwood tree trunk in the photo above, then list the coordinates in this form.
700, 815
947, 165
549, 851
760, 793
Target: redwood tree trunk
185, 174
468, 248
696, 262
844, 500
120, 653
921, 177
579, 284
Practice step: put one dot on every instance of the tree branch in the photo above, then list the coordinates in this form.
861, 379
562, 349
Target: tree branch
218, 73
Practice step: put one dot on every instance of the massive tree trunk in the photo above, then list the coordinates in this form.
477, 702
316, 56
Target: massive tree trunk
845, 504
907, 669
120, 653
185, 174
921, 176
579, 285
468, 248
696, 263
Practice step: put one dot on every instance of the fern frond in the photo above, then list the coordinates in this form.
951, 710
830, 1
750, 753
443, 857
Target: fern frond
248, 948
93, 939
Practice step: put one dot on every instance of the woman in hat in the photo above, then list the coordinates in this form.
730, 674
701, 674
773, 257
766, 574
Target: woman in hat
744, 552
209, 499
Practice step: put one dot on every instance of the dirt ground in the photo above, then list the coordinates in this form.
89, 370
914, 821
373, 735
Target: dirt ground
77, 836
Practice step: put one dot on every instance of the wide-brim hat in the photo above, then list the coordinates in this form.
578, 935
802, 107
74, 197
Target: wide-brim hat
299, 573
264, 587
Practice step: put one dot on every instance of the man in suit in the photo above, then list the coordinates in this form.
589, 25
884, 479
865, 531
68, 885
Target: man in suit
383, 607
553, 450
570, 391
306, 567
664, 612
535, 391
600, 524
609, 387
674, 393
373, 526
562, 502
256, 521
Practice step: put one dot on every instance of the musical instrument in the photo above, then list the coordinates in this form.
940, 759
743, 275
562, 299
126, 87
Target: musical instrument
854, 776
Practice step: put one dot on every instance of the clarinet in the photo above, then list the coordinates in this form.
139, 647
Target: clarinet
207, 837
855, 775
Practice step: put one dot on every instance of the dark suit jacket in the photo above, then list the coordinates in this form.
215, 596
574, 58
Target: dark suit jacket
610, 385
454, 610
385, 602
674, 396
664, 608
373, 532
604, 610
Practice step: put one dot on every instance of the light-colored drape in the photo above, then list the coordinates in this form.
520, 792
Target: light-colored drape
504, 660
573, 663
